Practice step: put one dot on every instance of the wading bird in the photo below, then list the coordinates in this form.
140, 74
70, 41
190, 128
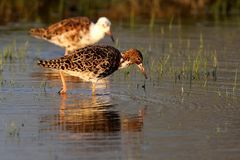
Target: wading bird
74, 33
93, 63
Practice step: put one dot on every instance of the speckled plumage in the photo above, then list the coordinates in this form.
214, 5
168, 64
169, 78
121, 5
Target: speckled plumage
93, 63
90, 63
74, 33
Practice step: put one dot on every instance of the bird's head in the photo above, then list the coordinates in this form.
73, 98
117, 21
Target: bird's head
133, 56
105, 25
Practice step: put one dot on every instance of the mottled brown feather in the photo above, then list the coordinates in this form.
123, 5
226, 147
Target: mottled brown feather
98, 61
70, 24
67, 25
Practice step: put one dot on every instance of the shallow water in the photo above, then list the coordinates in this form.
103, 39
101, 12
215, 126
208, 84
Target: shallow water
129, 118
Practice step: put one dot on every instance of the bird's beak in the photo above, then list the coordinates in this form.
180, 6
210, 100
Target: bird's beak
140, 66
111, 35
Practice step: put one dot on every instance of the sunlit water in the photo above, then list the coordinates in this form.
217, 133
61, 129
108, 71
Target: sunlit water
129, 118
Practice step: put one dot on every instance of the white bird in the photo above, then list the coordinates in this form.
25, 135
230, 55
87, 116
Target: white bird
74, 33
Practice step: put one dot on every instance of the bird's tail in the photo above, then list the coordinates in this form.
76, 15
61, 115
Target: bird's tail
38, 32
53, 64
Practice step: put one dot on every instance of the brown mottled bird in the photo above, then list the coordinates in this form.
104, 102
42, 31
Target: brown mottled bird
93, 63
74, 33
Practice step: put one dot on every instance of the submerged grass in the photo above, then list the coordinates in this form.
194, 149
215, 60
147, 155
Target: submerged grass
184, 64
1, 63
235, 82
194, 67
12, 53
181, 61
43, 85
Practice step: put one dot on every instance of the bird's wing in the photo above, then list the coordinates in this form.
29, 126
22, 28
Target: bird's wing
68, 25
96, 58
99, 60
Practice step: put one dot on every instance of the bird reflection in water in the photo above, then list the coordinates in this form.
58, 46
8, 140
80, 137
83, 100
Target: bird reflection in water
88, 126
92, 126
93, 114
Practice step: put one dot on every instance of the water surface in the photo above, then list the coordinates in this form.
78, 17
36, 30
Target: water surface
165, 117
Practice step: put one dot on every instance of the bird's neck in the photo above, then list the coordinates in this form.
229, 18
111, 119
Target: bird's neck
124, 62
96, 33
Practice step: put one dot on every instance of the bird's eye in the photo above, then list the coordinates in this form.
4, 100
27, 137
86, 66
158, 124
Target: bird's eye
105, 25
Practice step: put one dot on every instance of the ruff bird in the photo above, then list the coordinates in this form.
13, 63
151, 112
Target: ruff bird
92, 63
74, 33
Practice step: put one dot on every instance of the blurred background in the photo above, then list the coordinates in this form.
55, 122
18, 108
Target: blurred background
132, 11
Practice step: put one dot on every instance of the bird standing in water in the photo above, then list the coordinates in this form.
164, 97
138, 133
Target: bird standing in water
74, 33
93, 63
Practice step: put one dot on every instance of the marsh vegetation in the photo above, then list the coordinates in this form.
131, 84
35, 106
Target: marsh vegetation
187, 109
133, 11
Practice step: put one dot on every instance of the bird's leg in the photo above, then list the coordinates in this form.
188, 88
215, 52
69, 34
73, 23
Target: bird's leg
64, 87
66, 52
94, 88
